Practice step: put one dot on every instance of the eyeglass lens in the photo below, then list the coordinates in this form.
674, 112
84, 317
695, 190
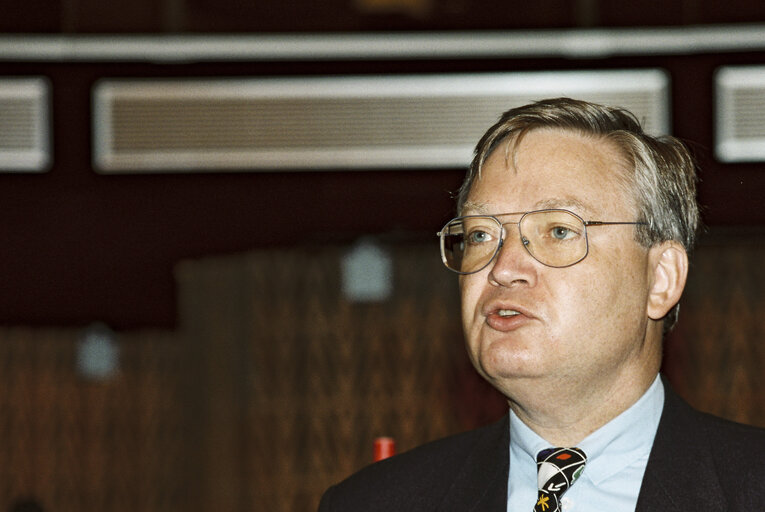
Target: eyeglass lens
556, 238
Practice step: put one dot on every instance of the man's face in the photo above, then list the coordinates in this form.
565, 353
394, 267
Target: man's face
584, 324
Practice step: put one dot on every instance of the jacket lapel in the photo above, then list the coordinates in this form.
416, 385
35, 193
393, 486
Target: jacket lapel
481, 485
680, 472
679, 476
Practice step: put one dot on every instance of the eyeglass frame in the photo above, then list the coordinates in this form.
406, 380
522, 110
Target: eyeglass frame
525, 241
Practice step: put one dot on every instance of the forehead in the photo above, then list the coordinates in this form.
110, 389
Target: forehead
553, 168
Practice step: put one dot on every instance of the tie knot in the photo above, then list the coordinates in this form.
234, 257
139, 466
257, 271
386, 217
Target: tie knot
557, 469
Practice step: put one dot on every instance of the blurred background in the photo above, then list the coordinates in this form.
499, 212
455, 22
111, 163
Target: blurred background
220, 276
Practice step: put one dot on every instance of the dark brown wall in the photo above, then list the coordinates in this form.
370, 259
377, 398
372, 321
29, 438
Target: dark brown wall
98, 16
81, 247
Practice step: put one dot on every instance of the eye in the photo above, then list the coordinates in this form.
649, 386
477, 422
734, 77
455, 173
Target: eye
477, 237
561, 232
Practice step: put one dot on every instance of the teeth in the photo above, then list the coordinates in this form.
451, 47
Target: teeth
507, 312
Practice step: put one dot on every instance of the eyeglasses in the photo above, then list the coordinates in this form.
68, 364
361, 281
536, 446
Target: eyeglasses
556, 238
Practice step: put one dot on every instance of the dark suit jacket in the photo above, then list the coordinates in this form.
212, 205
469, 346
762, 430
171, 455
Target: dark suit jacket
697, 463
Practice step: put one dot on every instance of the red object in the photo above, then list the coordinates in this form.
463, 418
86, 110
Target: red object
384, 447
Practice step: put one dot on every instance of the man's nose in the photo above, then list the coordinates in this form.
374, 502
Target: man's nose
513, 263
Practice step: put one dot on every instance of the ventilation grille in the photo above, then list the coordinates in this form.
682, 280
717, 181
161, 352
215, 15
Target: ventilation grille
334, 123
24, 124
740, 124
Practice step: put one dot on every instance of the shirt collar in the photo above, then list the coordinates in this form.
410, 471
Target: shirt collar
614, 446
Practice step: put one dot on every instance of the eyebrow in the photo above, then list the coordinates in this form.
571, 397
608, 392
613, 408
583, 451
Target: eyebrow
566, 203
476, 208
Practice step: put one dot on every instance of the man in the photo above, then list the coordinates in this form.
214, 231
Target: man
571, 246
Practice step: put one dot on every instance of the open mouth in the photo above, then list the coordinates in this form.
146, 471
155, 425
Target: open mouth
507, 312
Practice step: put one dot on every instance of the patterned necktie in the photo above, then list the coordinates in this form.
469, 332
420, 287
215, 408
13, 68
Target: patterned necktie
557, 469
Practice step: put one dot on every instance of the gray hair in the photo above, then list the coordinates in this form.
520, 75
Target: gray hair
661, 173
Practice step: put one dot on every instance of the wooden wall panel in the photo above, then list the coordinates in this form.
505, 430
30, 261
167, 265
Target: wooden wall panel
76, 444
275, 385
323, 375
716, 354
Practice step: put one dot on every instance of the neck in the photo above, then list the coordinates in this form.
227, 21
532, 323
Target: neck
565, 419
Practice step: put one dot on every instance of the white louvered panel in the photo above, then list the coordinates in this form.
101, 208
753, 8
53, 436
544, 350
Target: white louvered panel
413, 121
740, 122
24, 124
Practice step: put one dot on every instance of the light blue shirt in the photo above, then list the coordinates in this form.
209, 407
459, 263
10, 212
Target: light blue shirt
617, 454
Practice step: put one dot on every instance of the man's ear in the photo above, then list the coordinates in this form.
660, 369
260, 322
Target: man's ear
669, 263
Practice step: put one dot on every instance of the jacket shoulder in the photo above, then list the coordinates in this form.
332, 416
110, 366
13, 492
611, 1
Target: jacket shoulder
703, 462
413, 480
736, 445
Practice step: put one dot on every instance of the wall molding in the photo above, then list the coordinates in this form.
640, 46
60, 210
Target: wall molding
561, 43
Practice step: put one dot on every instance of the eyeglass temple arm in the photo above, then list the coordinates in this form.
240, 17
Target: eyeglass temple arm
606, 223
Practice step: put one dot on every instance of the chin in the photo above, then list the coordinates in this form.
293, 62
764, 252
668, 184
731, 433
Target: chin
503, 364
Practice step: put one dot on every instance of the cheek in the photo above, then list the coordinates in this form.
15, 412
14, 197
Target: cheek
583, 301
466, 296
607, 298
471, 288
